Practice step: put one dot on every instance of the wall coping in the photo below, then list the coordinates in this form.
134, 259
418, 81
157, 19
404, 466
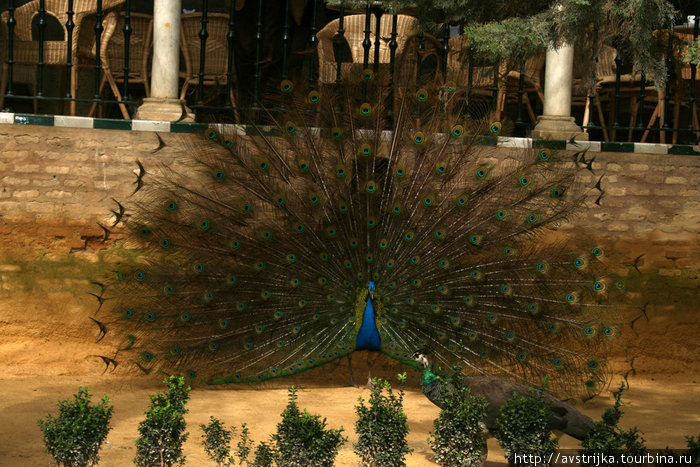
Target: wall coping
64, 121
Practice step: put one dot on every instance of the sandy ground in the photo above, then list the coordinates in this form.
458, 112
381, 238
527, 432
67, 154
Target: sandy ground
47, 349
665, 410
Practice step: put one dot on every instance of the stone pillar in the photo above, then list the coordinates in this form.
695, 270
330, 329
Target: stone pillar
164, 103
556, 121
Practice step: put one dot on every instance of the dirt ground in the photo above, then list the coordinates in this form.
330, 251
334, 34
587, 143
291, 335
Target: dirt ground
48, 349
666, 409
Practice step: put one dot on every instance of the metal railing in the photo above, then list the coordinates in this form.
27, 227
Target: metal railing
237, 61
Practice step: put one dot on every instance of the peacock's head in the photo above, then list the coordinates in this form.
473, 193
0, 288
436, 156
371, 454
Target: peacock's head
421, 358
370, 286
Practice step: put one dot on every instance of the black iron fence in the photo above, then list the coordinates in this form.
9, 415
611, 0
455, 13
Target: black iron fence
236, 57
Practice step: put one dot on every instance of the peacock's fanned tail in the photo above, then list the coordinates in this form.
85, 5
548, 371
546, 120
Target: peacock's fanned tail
259, 249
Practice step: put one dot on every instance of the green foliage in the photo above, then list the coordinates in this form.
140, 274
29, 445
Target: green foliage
434, 14
74, 437
162, 433
511, 39
382, 426
693, 52
243, 446
264, 455
694, 449
509, 31
607, 438
217, 441
302, 438
523, 426
459, 438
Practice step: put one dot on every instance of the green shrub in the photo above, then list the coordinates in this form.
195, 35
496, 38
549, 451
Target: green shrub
243, 446
302, 438
459, 433
264, 456
694, 449
692, 457
522, 427
381, 426
217, 440
75, 436
162, 434
608, 439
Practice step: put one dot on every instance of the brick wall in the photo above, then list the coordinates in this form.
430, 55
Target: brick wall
57, 183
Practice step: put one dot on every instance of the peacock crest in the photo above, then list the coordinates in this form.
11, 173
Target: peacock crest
269, 251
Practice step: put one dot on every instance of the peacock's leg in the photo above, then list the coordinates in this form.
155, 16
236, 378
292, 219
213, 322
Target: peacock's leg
371, 362
352, 379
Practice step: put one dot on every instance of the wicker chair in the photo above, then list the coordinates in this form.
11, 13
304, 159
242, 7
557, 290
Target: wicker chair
482, 76
532, 82
26, 48
216, 54
682, 85
354, 35
140, 43
604, 86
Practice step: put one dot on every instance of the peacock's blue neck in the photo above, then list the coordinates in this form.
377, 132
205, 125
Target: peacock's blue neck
368, 336
428, 377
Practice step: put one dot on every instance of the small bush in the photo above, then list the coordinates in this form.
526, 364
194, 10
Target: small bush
694, 449
522, 427
382, 426
459, 433
162, 434
264, 456
608, 439
217, 440
243, 446
302, 438
75, 436
669, 457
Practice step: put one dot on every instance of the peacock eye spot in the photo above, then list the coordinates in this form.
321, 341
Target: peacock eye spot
286, 85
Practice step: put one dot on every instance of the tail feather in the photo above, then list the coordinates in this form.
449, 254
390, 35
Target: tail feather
260, 247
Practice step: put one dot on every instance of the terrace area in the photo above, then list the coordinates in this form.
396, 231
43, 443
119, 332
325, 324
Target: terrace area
223, 61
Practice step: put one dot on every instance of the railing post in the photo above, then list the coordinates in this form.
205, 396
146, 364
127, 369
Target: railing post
164, 104
556, 121
40, 60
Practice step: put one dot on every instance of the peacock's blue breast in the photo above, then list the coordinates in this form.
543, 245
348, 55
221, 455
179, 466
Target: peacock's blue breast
368, 335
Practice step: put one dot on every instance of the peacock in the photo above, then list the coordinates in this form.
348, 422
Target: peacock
363, 216
497, 391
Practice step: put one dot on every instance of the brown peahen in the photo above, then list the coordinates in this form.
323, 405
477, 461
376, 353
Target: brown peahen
361, 219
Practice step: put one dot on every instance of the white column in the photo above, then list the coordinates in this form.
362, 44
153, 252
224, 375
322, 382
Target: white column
164, 103
166, 48
558, 74
556, 121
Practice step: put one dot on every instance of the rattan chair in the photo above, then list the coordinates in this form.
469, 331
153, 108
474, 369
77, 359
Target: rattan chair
484, 77
351, 44
216, 53
604, 86
681, 83
140, 44
26, 47
532, 82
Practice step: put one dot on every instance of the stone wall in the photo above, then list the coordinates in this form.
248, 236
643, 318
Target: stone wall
56, 184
